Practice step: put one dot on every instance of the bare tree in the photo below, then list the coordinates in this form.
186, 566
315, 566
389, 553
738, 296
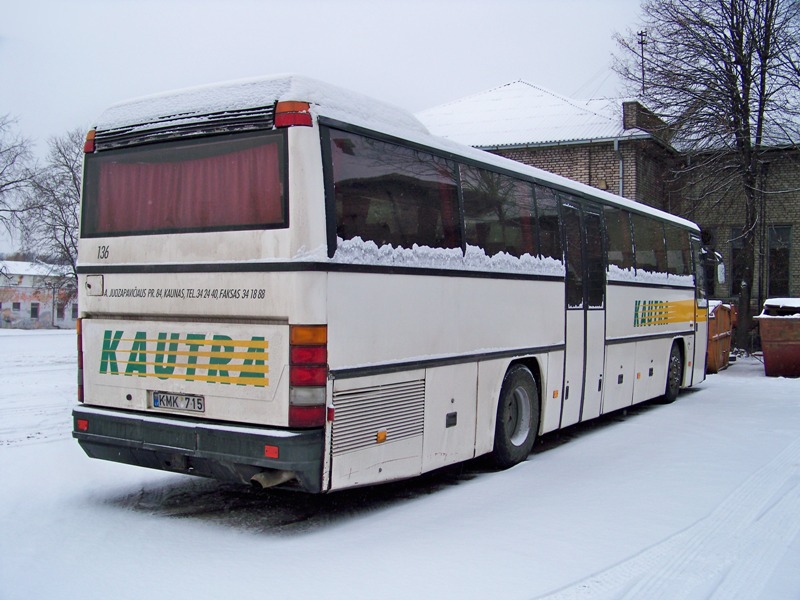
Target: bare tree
50, 227
15, 172
724, 75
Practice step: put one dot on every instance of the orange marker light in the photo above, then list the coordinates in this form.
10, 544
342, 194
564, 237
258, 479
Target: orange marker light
308, 335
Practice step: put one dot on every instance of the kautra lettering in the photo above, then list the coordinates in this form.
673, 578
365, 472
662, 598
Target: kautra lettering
217, 359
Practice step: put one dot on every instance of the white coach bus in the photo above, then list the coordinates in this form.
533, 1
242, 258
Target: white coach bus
286, 283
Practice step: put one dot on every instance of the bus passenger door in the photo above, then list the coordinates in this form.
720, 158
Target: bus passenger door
595, 290
572, 390
585, 314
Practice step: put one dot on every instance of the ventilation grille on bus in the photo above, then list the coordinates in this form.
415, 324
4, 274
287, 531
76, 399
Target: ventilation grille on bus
186, 125
397, 409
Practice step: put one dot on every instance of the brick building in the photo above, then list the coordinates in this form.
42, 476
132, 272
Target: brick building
622, 147
29, 292
777, 235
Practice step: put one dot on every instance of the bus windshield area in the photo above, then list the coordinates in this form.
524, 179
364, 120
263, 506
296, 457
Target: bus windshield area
205, 184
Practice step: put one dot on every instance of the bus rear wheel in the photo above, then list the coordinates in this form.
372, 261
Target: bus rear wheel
517, 418
674, 375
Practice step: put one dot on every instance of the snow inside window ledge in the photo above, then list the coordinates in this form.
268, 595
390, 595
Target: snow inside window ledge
631, 275
360, 252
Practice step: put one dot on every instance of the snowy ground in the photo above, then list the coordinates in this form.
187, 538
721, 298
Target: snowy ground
699, 499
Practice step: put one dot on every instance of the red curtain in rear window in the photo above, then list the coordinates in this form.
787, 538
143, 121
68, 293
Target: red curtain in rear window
230, 190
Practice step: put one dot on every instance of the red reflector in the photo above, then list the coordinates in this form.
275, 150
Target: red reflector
271, 451
308, 376
83, 425
293, 119
307, 416
309, 355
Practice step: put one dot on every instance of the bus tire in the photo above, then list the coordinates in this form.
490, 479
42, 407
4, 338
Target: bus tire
517, 418
674, 375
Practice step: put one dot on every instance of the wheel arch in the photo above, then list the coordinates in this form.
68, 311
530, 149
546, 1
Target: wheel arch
518, 414
532, 363
680, 342
489, 396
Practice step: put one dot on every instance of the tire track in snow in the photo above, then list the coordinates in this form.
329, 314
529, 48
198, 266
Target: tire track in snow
729, 554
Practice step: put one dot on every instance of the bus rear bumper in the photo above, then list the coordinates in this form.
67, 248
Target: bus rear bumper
218, 450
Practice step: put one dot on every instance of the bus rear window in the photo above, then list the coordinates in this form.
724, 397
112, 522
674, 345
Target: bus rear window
209, 184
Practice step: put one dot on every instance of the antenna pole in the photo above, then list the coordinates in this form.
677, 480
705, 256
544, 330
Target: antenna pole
642, 41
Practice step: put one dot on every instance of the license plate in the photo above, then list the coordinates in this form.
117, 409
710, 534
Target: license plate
166, 401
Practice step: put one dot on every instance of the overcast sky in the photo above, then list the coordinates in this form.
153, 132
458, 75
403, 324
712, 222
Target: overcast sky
62, 62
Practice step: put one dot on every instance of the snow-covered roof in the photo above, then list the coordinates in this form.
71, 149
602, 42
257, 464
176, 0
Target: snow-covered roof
21, 267
520, 114
195, 103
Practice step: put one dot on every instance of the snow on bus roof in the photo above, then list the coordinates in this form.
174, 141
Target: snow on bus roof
335, 103
328, 100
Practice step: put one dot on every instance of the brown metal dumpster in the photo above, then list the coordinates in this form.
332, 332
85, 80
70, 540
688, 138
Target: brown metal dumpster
779, 326
720, 329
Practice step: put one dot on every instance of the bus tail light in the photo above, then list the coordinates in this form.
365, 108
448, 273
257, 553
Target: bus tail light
292, 113
308, 375
79, 330
89, 144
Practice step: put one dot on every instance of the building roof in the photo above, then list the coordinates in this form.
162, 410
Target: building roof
36, 269
523, 114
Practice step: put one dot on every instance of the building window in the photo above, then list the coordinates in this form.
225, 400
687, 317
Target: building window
60, 311
15, 306
34, 310
779, 244
74, 310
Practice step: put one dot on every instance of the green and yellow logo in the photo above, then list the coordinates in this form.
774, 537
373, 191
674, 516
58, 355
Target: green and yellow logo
188, 357
650, 313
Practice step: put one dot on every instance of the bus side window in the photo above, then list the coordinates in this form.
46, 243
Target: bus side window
392, 194
595, 263
678, 256
498, 212
648, 239
549, 231
619, 239
351, 215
